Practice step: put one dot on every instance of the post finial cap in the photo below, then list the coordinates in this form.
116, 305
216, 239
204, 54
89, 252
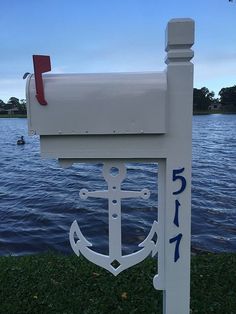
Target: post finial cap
180, 32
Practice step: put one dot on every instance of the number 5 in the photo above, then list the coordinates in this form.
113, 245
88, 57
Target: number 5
176, 176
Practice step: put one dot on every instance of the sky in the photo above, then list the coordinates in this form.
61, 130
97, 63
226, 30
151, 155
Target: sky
113, 36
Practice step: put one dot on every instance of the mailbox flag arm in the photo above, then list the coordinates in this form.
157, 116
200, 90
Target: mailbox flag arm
42, 64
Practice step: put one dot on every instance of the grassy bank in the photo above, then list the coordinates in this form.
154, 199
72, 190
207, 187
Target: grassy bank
13, 116
194, 113
59, 284
213, 112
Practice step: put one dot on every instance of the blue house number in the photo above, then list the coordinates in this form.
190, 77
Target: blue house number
176, 176
177, 239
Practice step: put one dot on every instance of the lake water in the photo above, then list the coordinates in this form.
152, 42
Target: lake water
39, 200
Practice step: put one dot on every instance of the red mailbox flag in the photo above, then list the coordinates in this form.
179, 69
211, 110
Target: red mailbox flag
42, 64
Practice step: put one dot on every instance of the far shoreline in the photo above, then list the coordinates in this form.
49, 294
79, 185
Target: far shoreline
13, 116
195, 113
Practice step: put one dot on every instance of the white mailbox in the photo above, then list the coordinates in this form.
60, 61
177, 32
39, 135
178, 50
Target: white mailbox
109, 103
116, 118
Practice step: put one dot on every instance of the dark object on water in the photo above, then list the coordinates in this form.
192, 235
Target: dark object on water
21, 141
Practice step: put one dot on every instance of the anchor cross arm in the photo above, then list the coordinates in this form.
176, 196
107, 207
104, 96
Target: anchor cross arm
84, 194
145, 194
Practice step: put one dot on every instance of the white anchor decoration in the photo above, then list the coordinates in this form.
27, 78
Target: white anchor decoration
114, 173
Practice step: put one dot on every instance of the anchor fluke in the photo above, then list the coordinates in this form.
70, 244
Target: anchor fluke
81, 242
149, 241
117, 265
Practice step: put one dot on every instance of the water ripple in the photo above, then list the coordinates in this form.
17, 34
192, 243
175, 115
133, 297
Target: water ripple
39, 200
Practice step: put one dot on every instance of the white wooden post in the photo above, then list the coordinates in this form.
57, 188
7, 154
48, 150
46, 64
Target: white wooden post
175, 170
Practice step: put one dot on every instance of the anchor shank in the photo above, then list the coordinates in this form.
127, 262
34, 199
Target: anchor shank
115, 245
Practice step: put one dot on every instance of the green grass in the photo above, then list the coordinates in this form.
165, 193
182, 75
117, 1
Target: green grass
13, 116
213, 112
60, 284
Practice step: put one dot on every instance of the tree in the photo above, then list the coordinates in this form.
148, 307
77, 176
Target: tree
22, 106
202, 98
228, 97
2, 104
13, 102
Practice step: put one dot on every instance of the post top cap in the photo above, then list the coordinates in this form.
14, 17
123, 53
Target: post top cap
180, 32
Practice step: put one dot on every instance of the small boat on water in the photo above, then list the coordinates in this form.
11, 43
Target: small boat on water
21, 141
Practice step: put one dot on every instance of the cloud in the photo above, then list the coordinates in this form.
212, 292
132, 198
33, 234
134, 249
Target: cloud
12, 87
59, 69
213, 70
216, 72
